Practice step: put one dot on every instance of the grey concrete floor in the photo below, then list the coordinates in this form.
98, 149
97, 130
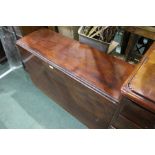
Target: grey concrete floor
23, 105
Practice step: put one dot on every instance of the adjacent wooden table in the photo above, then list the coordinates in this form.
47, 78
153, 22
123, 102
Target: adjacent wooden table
137, 108
140, 86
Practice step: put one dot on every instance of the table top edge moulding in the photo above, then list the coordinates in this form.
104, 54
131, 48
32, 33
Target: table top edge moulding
95, 69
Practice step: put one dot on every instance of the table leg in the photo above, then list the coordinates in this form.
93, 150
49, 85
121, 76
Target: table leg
131, 44
124, 41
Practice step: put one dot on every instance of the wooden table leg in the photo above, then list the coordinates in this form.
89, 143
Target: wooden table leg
124, 41
131, 44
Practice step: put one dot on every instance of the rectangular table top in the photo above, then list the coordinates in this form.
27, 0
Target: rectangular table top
103, 73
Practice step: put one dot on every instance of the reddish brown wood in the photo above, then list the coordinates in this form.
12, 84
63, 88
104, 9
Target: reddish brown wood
142, 82
24, 54
140, 86
100, 72
138, 115
131, 44
124, 123
83, 80
89, 107
25, 30
131, 115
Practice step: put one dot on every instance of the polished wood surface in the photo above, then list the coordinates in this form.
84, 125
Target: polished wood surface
100, 72
137, 107
144, 78
82, 102
84, 81
124, 123
25, 30
140, 86
130, 115
87, 82
138, 115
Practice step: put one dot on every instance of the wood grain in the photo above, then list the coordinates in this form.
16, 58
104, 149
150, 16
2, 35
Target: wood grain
140, 85
131, 115
90, 108
104, 74
84, 81
138, 115
25, 30
124, 123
